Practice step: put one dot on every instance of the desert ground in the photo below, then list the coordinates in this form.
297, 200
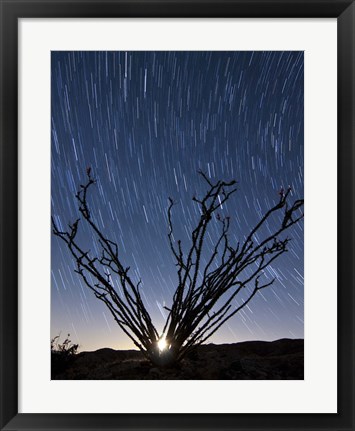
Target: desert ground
252, 360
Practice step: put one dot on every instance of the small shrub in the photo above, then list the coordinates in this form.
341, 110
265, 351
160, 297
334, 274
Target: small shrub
62, 355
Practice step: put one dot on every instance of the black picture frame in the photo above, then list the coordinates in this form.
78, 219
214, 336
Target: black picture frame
11, 11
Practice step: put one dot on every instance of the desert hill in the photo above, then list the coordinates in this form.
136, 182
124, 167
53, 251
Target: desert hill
251, 360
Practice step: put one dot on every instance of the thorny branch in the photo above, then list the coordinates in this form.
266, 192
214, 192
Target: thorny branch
202, 304
127, 308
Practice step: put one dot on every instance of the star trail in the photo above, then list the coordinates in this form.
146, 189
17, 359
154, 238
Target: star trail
145, 123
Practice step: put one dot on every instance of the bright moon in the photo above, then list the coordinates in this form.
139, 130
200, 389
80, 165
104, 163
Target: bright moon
162, 344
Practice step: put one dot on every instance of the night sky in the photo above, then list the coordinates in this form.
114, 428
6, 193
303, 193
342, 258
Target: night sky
146, 122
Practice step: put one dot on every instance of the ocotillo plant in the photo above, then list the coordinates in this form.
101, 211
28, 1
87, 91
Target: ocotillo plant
207, 288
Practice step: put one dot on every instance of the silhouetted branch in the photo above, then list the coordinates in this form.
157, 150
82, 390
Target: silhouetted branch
127, 308
193, 316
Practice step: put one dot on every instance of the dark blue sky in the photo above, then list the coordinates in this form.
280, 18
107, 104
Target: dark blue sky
146, 122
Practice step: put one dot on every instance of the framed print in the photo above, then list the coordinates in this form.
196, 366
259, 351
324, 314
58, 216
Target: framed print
176, 206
